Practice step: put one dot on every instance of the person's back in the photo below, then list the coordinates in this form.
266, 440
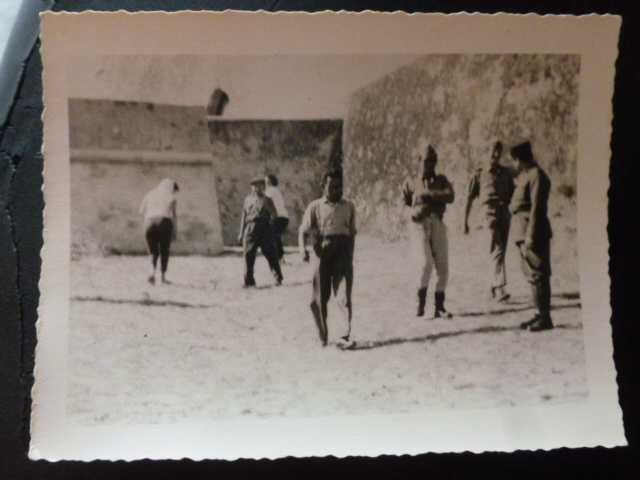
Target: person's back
160, 202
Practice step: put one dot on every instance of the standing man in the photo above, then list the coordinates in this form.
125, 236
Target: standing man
532, 232
493, 184
281, 221
256, 231
427, 195
332, 220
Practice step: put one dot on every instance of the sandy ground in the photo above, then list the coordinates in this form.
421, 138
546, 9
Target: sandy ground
203, 347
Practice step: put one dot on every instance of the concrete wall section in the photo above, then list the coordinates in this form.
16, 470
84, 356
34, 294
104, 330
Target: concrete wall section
296, 151
120, 151
106, 195
117, 125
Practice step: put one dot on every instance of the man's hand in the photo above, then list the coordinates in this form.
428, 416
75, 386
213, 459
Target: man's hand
239, 240
305, 255
466, 228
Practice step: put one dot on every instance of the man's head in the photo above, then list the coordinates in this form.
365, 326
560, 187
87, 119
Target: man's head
272, 180
429, 161
332, 185
257, 186
496, 153
522, 155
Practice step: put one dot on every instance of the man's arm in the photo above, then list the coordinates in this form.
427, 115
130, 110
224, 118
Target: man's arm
353, 230
407, 193
304, 227
473, 192
539, 191
174, 219
271, 207
443, 194
242, 223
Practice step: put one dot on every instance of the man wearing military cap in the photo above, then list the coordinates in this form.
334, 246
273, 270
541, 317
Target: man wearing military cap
493, 185
532, 232
427, 196
256, 231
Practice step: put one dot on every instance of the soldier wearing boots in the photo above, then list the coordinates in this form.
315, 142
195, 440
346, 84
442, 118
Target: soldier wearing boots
532, 232
427, 196
493, 185
331, 221
256, 231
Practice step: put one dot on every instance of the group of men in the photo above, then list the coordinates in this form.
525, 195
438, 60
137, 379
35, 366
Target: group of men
512, 202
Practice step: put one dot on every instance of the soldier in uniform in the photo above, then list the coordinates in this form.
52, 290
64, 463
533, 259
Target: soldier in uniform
332, 222
427, 196
256, 231
532, 232
493, 185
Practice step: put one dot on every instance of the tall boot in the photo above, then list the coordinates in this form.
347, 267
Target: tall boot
440, 311
542, 299
422, 300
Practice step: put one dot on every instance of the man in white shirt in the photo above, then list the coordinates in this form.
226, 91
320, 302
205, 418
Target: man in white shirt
281, 222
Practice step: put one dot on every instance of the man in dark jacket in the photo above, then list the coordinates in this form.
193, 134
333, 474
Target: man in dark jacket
256, 231
531, 232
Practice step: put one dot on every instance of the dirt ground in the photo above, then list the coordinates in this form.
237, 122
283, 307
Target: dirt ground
203, 347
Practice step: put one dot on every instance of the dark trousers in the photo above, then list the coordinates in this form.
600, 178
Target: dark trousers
536, 266
280, 225
158, 236
335, 264
259, 236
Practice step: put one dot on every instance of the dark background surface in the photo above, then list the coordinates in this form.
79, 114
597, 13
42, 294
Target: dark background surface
21, 205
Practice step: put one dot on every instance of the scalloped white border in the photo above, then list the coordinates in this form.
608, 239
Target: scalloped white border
597, 422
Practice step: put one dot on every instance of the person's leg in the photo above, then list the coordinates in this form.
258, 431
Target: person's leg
269, 250
499, 237
422, 260
535, 266
320, 297
344, 269
153, 245
280, 226
440, 249
166, 230
250, 247
539, 263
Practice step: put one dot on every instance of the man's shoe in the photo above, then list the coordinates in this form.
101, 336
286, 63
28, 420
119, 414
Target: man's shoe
528, 323
542, 324
345, 343
500, 295
422, 300
440, 311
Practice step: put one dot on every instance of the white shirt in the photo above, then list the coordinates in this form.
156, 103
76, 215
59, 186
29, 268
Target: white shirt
274, 194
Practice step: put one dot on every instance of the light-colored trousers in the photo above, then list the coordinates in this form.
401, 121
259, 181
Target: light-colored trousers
429, 247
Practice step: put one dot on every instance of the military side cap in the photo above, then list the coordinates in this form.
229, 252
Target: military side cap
522, 151
257, 180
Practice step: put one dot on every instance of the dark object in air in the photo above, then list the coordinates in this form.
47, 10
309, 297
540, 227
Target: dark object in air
217, 103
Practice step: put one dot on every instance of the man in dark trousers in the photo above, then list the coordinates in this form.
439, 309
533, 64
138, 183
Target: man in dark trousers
427, 195
256, 231
332, 221
532, 232
493, 185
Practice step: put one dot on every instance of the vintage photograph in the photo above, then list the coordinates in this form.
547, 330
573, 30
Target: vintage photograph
276, 244
322, 235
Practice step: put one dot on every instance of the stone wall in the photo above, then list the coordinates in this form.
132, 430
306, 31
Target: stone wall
121, 150
461, 104
296, 151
